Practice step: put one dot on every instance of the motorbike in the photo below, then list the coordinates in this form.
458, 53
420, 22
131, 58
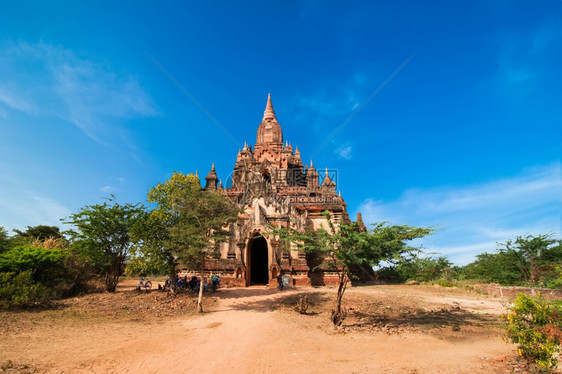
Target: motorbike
144, 285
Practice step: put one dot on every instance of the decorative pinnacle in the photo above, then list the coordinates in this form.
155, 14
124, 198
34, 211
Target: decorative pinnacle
269, 113
213, 167
359, 219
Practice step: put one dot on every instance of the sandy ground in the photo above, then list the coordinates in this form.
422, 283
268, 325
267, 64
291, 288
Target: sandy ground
389, 329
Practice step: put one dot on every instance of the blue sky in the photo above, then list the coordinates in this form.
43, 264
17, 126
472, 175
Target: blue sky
438, 113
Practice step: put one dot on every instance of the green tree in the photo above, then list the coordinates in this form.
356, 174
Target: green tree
151, 233
194, 220
32, 235
152, 251
527, 259
103, 236
40, 232
4, 240
345, 246
428, 268
530, 251
502, 267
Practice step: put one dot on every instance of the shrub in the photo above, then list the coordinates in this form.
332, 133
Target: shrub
536, 327
445, 283
46, 265
31, 274
424, 269
555, 282
75, 277
18, 289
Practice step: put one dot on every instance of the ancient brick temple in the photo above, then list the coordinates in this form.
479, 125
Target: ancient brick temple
275, 189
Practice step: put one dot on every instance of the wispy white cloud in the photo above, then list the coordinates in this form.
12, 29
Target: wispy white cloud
112, 189
471, 219
46, 80
22, 205
516, 75
12, 100
326, 109
106, 189
332, 101
344, 151
523, 57
28, 208
545, 38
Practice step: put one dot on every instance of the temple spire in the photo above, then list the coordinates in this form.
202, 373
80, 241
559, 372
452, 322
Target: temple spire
269, 113
269, 131
211, 179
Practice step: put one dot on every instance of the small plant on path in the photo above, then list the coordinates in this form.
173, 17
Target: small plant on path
302, 305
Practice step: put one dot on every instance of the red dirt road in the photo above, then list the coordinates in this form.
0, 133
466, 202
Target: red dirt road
249, 330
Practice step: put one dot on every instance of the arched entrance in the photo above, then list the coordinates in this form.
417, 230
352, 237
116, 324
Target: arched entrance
259, 261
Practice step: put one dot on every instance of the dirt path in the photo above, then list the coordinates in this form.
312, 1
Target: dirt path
247, 333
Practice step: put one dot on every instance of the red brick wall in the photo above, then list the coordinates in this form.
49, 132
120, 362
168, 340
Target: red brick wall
232, 282
511, 292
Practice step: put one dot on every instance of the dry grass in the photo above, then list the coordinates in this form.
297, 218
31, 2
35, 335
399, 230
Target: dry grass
50, 243
394, 314
125, 306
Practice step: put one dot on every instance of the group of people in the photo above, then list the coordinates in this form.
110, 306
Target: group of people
193, 284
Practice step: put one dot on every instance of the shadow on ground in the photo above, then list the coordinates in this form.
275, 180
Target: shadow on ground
453, 318
267, 300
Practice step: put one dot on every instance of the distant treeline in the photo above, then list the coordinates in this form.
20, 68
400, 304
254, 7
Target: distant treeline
41, 263
525, 261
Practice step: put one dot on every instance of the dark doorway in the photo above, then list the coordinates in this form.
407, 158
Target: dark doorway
258, 261
267, 177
